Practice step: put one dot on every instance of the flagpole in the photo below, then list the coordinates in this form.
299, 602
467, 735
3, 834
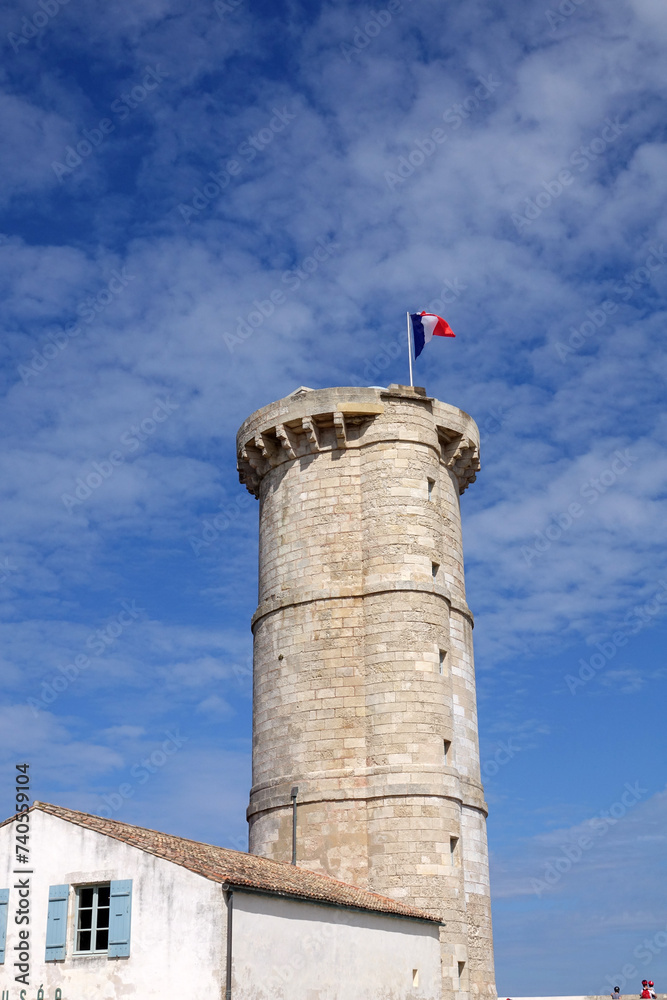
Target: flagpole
409, 349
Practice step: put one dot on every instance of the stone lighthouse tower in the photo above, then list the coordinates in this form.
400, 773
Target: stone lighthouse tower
364, 684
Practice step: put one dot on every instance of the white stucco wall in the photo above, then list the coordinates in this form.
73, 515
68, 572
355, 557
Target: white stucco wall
178, 919
282, 949
289, 950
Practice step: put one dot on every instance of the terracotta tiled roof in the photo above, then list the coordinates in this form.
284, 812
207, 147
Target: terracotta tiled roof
220, 864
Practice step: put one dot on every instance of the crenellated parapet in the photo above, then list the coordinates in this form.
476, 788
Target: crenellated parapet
312, 421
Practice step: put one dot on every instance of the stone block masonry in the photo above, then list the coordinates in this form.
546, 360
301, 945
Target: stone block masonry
364, 684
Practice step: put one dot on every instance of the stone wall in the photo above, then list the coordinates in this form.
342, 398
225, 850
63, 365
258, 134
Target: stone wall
364, 686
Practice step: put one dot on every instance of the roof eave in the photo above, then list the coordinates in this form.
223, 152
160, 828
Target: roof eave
240, 887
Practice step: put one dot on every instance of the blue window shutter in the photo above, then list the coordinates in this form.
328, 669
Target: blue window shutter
4, 907
120, 913
56, 923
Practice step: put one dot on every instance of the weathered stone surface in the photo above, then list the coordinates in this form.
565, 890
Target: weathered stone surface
363, 661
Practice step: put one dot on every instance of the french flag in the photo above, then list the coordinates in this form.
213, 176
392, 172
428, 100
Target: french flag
425, 326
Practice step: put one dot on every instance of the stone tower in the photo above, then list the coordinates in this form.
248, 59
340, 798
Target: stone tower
364, 684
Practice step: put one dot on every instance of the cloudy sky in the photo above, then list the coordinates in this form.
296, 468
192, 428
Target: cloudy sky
167, 166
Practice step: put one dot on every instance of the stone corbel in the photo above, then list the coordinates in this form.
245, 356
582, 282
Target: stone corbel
339, 427
311, 434
269, 448
284, 439
464, 463
253, 455
248, 473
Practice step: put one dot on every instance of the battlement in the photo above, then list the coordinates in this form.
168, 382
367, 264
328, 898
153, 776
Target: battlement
311, 421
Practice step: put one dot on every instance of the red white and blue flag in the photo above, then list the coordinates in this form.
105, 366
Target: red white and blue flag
425, 326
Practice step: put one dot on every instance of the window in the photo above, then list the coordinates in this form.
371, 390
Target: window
434, 569
453, 843
102, 920
415, 977
92, 918
461, 969
446, 747
441, 661
431, 484
4, 907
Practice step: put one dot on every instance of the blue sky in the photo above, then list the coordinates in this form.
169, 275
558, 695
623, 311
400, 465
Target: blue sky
167, 166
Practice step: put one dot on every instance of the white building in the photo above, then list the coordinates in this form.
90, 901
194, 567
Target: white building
121, 911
